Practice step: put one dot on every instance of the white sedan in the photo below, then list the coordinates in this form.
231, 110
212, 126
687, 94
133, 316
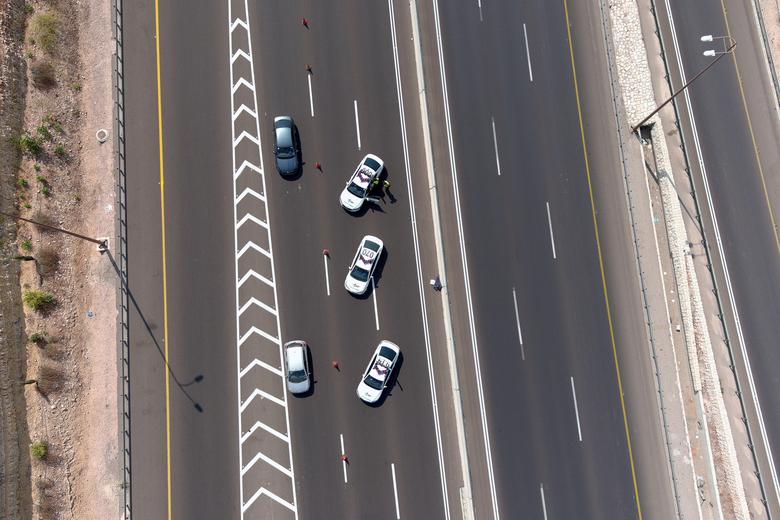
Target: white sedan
378, 372
363, 265
360, 183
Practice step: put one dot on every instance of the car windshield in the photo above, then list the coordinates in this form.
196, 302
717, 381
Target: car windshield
360, 274
297, 376
285, 152
356, 190
376, 384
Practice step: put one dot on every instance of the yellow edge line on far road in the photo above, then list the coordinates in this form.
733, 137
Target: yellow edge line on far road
601, 264
750, 129
164, 270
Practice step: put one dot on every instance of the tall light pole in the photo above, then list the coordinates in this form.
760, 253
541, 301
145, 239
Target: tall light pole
710, 52
102, 243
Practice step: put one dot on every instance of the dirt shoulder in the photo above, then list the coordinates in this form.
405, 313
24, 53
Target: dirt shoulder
66, 443
14, 461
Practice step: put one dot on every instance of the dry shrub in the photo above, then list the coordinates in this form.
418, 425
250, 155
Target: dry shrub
43, 75
46, 508
48, 261
45, 219
54, 352
45, 28
44, 485
50, 378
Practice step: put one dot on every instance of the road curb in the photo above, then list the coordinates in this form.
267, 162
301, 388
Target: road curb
639, 99
467, 502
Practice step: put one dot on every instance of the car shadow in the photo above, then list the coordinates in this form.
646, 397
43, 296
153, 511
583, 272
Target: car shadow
391, 384
380, 267
380, 264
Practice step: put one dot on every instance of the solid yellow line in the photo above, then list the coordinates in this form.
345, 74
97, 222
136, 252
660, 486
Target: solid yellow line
601, 264
750, 128
164, 270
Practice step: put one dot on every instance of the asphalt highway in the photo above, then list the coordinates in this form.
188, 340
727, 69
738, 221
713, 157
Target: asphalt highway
350, 50
550, 401
553, 408
200, 316
737, 134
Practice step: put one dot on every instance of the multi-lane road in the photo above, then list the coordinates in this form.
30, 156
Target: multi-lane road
731, 126
227, 261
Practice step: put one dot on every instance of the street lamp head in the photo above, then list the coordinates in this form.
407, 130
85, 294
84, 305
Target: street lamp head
706, 38
709, 53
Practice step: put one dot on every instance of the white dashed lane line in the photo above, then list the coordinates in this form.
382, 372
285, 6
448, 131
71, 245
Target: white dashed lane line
343, 458
528, 54
517, 319
357, 124
395, 493
311, 95
376, 307
576, 409
495, 145
544, 504
552, 238
327, 276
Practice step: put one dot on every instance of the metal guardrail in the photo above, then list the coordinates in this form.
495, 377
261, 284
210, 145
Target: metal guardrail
710, 267
123, 343
620, 123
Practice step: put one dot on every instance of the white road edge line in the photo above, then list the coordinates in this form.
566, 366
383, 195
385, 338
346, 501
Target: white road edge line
552, 238
395, 494
465, 266
495, 144
343, 457
544, 505
327, 277
311, 96
528, 54
517, 319
479, 5
722, 254
357, 123
240, 339
376, 307
576, 409
421, 285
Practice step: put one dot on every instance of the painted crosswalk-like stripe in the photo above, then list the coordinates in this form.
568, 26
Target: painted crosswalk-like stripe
267, 477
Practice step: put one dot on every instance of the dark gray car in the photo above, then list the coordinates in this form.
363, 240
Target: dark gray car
286, 145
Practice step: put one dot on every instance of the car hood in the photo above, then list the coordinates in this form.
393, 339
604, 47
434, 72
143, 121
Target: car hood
289, 165
350, 202
299, 388
368, 394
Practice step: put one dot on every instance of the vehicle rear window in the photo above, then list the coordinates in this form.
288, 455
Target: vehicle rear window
372, 164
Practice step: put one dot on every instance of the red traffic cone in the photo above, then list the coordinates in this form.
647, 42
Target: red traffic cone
305, 22
318, 165
325, 252
344, 458
336, 366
